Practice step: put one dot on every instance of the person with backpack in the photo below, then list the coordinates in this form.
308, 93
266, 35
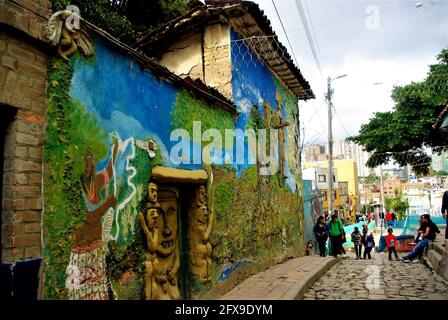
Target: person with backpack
336, 232
320, 231
356, 239
430, 231
370, 244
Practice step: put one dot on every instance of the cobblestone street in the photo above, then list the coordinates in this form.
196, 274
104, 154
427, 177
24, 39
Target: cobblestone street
378, 279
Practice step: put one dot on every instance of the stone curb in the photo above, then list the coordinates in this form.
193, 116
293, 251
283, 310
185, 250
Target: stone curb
298, 290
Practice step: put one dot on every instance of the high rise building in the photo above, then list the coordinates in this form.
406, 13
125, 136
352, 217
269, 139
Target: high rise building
315, 152
343, 150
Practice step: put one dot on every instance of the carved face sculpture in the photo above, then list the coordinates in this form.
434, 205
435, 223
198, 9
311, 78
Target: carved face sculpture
152, 218
167, 223
201, 194
152, 192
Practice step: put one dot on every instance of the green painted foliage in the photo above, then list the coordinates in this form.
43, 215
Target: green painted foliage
69, 134
188, 109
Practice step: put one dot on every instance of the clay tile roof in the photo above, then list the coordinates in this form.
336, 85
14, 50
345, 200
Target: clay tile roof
248, 20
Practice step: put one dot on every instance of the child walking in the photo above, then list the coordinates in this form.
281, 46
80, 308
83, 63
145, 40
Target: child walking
356, 239
391, 241
370, 244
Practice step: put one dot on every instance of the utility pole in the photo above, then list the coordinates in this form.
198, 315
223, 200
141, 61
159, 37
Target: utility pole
330, 149
330, 144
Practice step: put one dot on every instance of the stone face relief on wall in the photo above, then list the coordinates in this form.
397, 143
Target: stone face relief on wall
200, 228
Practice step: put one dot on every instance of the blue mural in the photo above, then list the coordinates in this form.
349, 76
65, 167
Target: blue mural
253, 85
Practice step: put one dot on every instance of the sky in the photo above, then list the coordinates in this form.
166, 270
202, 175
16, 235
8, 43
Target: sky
378, 44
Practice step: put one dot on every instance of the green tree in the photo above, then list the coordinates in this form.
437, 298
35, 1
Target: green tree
398, 204
403, 134
124, 18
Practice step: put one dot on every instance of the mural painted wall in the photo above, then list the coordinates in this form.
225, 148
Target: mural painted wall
312, 208
110, 230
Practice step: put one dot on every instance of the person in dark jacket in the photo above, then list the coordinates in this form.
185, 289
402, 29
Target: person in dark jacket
430, 231
320, 231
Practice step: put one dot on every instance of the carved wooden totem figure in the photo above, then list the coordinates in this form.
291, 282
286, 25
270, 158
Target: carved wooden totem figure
201, 225
168, 247
150, 227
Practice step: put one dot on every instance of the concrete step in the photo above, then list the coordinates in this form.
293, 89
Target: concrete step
439, 248
435, 259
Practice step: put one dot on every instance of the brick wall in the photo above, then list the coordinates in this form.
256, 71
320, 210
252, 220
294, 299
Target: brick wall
23, 73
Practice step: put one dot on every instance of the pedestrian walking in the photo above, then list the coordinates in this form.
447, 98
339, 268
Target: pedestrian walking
370, 244
430, 231
320, 231
336, 232
364, 234
356, 239
391, 242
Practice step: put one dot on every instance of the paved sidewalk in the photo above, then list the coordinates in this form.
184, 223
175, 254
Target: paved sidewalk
286, 281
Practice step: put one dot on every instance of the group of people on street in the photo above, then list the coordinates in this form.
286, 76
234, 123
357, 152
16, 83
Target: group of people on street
334, 230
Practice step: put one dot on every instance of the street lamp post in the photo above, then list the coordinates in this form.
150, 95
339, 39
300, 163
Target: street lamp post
329, 95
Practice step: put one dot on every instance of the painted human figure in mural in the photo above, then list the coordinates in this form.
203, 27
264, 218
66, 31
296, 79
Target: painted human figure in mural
86, 272
150, 228
280, 125
168, 247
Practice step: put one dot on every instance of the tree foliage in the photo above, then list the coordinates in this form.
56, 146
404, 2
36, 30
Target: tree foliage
403, 134
125, 18
398, 204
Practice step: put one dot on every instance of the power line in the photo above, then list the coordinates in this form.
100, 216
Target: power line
309, 35
284, 30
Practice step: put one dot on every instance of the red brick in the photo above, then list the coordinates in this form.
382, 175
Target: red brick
31, 216
27, 204
32, 69
27, 166
20, 53
21, 152
33, 252
35, 152
26, 191
18, 229
27, 139
32, 228
10, 62
34, 178
28, 240
21, 178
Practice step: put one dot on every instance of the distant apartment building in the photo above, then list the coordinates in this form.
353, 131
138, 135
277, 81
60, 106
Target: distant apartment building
315, 152
343, 150
391, 187
346, 171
